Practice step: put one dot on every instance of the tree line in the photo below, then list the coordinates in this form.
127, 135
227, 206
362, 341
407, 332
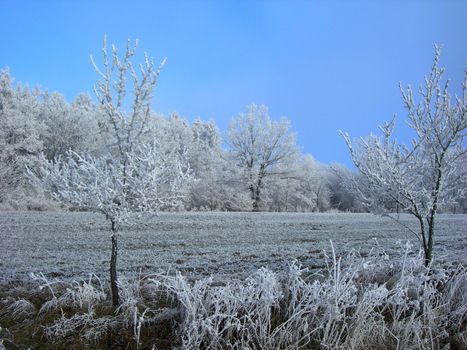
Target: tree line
255, 166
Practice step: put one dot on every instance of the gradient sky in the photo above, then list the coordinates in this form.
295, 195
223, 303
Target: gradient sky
326, 65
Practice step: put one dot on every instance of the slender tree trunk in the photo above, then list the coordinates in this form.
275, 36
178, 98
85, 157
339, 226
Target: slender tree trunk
431, 233
429, 248
426, 250
113, 268
431, 219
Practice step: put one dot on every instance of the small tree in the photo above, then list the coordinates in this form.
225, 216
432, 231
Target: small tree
132, 177
429, 172
260, 145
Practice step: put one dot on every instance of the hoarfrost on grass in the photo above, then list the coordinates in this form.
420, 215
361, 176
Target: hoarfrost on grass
344, 306
66, 245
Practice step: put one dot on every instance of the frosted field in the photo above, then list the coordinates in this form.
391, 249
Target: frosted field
65, 245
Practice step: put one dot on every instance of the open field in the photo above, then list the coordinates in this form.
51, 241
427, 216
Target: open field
70, 245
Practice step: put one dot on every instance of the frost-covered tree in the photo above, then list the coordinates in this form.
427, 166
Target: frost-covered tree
174, 132
429, 171
93, 131
303, 187
207, 164
55, 114
280, 193
132, 177
79, 126
314, 179
66, 127
19, 134
342, 184
260, 145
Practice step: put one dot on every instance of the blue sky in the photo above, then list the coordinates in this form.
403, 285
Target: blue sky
326, 65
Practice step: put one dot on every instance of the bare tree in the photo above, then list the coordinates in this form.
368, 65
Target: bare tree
131, 177
427, 173
260, 145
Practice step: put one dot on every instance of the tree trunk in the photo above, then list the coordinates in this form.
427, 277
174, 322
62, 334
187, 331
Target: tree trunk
429, 245
256, 199
257, 195
426, 251
252, 194
431, 219
113, 268
257, 189
429, 252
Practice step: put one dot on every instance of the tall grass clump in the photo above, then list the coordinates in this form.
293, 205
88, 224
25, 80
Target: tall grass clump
356, 302
350, 306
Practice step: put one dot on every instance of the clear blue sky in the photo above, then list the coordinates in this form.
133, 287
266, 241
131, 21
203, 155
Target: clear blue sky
326, 65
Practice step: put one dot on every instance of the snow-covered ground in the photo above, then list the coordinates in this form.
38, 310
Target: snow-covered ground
71, 245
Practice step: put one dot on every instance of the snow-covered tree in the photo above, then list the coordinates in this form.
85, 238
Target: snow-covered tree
92, 129
280, 192
260, 145
314, 179
132, 177
174, 132
429, 171
80, 126
55, 115
303, 187
19, 134
207, 165
342, 184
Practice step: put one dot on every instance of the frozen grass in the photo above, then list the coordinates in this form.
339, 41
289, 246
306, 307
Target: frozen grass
67, 245
344, 306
